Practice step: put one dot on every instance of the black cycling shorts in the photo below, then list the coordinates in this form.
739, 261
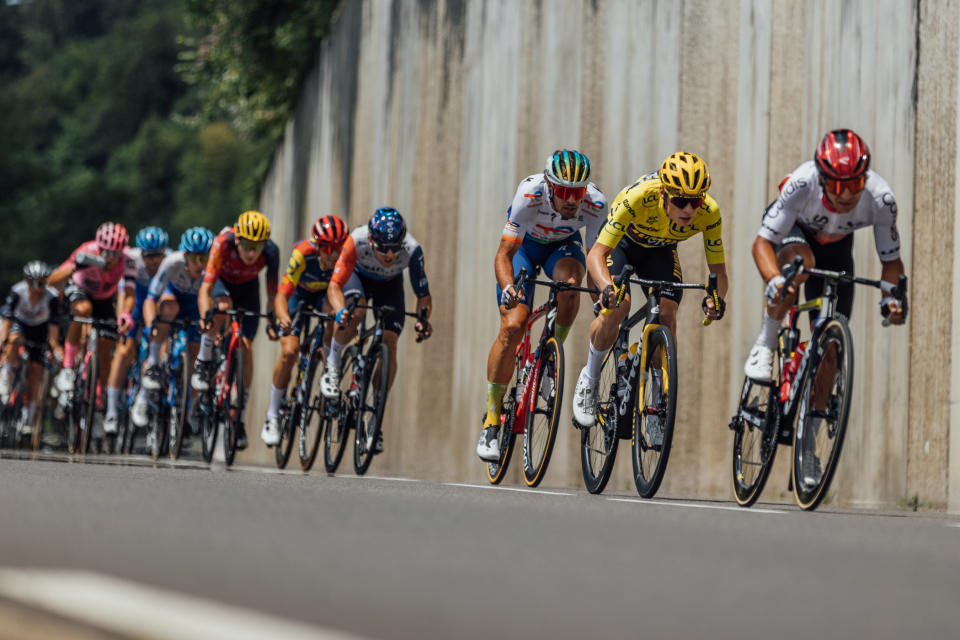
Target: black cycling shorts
34, 336
103, 308
651, 263
380, 292
245, 295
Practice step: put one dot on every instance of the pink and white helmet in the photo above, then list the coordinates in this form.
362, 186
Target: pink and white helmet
112, 236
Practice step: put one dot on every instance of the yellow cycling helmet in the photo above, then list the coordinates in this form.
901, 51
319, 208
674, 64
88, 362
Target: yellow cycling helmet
684, 174
252, 226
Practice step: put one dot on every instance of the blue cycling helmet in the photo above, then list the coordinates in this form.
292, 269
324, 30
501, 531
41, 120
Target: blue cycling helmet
387, 229
196, 240
152, 239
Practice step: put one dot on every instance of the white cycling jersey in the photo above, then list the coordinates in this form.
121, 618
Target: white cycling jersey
18, 307
173, 272
532, 214
801, 201
135, 263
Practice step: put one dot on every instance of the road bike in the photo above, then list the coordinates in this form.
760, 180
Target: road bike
221, 405
14, 429
807, 404
126, 430
87, 391
168, 407
531, 406
637, 393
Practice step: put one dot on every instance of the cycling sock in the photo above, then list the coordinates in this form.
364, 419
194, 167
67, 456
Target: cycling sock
333, 358
561, 332
153, 355
69, 355
276, 397
31, 409
113, 399
495, 392
206, 348
769, 330
6, 373
594, 362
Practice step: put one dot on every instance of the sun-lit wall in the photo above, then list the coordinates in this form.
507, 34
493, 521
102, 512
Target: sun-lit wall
440, 108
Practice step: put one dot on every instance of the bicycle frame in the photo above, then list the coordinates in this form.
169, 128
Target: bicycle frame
527, 360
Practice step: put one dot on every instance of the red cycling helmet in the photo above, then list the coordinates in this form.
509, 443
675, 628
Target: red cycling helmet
842, 155
112, 236
330, 231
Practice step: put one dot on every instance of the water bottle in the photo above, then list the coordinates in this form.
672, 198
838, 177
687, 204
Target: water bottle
790, 371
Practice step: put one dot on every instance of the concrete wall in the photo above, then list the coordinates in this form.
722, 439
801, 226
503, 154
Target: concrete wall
440, 107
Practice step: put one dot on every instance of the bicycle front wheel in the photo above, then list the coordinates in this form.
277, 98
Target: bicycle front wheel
88, 403
824, 407
598, 443
313, 406
754, 439
540, 432
506, 437
179, 396
373, 399
339, 423
655, 412
43, 391
232, 414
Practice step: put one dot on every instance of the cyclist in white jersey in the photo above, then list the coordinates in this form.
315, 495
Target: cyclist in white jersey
542, 230
820, 205
143, 260
30, 314
172, 295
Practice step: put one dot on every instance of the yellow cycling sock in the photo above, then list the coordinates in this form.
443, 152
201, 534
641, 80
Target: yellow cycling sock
561, 332
495, 393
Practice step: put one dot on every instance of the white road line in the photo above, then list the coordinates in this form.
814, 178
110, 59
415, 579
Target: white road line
693, 505
136, 610
397, 479
954, 524
518, 489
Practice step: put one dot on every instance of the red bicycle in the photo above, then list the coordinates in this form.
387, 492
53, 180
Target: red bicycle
531, 406
221, 405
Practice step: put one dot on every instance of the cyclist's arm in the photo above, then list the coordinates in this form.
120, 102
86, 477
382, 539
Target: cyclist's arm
61, 274
205, 298
4, 330
341, 274
597, 265
765, 257
723, 283
272, 254
890, 271
281, 307
503, 262
53, 339
149, 311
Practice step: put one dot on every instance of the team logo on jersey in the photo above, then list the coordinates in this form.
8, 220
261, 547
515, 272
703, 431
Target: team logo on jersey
533, 198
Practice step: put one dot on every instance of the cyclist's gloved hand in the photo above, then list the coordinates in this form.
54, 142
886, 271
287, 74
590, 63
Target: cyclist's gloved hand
284, 325
893, 307
423, 329
125, 322
342, 317
154, 330
510, 297
272, 332
772, 292
206, 322
707, 305
609, 298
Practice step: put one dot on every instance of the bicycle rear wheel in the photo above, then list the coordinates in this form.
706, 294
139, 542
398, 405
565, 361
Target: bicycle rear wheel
338, 425
233, 413
43, 390
373, 399
820, 431
308, 432
650, 456
754, 439
598, 443
540, 433
179, 397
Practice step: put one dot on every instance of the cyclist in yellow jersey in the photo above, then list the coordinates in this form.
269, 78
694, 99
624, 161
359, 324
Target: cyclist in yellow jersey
645, 223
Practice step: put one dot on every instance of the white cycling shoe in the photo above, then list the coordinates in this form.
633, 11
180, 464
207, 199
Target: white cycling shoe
111, 425
488, 448
759, 365
585, 400
330, 382
65, 380
139, 412
270, 434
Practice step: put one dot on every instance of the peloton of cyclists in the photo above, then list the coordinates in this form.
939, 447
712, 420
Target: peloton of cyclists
231, 280
370, 267
645, 223
30, 315
305, 283
542, 230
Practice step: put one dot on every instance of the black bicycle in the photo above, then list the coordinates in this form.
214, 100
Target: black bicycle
14, 427
83, 401
808, 404
637, 393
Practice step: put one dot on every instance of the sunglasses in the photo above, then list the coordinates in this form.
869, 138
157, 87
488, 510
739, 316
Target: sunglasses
36, 283
328, 249
107, 255
681, 202
153, 254
198, 258
569, 193
386, 248
248, 245
836, 187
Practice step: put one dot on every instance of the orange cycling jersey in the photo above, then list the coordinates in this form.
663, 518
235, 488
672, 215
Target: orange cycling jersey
304, 270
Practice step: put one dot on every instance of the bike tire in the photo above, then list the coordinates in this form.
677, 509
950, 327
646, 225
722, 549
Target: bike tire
91, 370
208, 425
180, 395
233, 413
834, 333
43, 391
540, 431
650, 464
598, 443
338, 425
755, 430
373, 400
314, 405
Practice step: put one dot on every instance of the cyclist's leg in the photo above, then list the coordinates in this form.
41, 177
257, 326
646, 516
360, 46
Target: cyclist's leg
389, 293
604, 328
289, 350
80, 307
37, 337
11, 359
341, 336
568, 264
124, 356
221, 302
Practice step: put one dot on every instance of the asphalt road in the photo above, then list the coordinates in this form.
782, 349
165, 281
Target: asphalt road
391, 558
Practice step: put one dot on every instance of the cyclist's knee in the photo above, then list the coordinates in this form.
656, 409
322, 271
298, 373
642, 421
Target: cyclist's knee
289, 347
168, 309
223, 303
668, 314
82, 308
511, 328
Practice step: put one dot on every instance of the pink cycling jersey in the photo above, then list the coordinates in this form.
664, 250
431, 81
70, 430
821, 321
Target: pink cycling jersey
96, 282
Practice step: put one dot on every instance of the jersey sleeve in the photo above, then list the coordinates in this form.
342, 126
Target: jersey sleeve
520, 215
57, 308
782, 214
72, 260
272, 255
620, 216
215, 261
345, 263
886, 238
295, 268
158, 283
418, 275
6, 311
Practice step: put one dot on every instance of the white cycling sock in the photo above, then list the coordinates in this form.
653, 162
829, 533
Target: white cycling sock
276, 397
113, 399
153, 355
594, 362
333, 358
206, 348
31, 412
769, 330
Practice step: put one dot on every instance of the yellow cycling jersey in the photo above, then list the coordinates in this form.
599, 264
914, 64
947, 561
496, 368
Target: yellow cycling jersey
638, 212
